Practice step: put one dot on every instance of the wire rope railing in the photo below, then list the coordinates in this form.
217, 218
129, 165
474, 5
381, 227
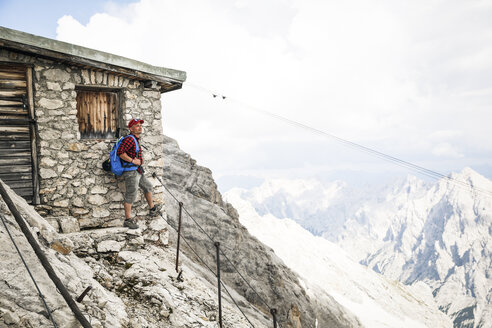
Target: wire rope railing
273, 311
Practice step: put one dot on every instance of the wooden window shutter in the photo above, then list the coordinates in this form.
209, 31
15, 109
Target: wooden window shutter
97, 114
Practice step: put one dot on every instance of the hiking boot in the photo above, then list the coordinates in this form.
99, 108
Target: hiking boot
156, 210
129, 223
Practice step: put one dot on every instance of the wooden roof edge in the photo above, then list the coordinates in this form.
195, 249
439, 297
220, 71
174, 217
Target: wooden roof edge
68, 52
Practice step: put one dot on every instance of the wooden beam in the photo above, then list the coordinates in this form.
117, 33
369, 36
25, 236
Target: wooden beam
42, 258
170, 88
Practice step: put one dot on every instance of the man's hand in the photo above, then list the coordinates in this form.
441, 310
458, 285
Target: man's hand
127, 158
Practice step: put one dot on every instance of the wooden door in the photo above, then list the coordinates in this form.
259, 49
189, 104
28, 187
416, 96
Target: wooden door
18, 162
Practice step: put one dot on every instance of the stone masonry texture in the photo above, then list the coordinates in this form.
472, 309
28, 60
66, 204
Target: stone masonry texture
72, 182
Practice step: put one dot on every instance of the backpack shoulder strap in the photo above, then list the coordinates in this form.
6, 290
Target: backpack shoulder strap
136, 143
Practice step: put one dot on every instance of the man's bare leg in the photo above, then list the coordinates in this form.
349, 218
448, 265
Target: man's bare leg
148, 197
128, 210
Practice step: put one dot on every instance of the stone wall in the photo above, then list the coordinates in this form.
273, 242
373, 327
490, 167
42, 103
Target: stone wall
72, 182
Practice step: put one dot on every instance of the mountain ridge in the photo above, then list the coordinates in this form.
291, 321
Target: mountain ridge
411, 230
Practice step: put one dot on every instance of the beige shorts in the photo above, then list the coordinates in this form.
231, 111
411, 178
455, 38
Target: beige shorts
133, 180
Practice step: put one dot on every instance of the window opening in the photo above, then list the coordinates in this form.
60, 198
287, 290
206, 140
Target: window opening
97, 114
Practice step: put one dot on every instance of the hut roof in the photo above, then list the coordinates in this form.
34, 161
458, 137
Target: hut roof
168, 79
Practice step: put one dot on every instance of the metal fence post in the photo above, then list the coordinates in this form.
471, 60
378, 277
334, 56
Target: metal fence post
217, 245
274, 314
179, 234
81, 297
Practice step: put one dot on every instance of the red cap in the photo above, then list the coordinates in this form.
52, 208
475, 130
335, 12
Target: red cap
134, 121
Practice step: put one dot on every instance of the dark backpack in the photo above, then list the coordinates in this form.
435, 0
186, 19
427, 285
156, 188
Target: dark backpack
115, 164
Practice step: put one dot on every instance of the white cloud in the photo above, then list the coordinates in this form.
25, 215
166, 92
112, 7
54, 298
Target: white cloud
446, 150
385, 74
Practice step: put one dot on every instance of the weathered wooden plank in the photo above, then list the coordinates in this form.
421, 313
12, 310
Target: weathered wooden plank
107, 114
12, 93
14, 161
21, 168
16, 110
12, 84
12, 144
13, 128
25, 193
93, 112
11, 102
14, 137
14, 116
20, 184
5, 75
12, 67
101, 105
17, 153
30, 93
15, 176
15, 120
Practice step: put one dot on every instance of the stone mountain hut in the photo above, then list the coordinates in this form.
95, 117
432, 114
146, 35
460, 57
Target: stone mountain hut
62, 106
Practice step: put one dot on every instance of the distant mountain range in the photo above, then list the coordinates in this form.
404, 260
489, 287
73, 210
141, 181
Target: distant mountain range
415, 232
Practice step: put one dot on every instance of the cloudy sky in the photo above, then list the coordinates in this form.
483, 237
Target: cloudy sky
412, 79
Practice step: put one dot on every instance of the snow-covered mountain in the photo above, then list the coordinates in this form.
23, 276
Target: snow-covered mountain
411, 231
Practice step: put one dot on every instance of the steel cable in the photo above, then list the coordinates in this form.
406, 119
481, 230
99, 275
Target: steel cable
399, 162
205, 264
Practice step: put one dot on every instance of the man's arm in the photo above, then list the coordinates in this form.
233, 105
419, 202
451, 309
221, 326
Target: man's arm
128, 144
126, 158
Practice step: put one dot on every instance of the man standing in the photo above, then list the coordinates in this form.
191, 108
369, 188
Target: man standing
135, 177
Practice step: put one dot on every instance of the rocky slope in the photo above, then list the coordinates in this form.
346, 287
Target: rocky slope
411, 231
275, 285
131, 273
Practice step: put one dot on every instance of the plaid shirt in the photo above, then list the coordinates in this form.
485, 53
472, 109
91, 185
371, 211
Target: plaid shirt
128, 146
